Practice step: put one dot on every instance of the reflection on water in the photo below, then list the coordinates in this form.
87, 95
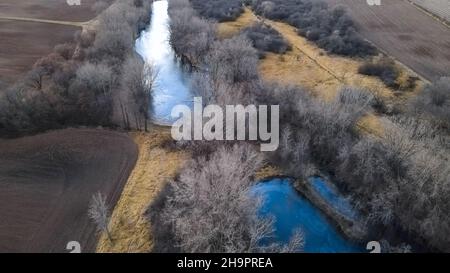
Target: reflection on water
154, 47
331, 195
292, 211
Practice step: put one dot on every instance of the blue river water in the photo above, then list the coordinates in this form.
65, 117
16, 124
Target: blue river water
153, 45
292, 211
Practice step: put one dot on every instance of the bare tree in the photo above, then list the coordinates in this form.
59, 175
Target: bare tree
211, 208
35, 77
139, 79
99, 213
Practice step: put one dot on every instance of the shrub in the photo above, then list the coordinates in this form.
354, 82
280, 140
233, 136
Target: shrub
434, 103
266, 39
384, 69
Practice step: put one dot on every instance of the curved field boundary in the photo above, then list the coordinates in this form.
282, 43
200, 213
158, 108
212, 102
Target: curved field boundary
47, 182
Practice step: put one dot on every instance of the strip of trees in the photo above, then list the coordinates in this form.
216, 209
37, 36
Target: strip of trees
80, 82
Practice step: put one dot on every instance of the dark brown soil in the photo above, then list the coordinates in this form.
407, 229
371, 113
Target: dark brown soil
387, 25
23, 43
48, 9
47, 182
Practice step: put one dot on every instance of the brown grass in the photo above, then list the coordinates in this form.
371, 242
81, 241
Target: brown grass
129, 227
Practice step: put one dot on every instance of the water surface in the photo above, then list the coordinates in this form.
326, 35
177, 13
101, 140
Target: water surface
293, 211
154, 47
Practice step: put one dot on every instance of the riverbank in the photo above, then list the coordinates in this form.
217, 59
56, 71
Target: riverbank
352, 230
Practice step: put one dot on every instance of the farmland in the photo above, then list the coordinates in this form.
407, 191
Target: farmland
440, 8
404, 32
47, 182
23, 42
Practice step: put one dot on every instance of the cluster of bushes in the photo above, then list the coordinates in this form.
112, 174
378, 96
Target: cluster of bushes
384, 69
79, 83
219, 10
266, 39
331, 29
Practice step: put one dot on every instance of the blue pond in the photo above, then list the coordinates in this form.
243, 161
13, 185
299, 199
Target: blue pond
292, 211
330, 194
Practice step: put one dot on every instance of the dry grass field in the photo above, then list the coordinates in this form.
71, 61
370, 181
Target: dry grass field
309, 66
129, 227
404, 32
47, 182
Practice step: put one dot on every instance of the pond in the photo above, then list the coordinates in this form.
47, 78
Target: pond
292, 211
153, 45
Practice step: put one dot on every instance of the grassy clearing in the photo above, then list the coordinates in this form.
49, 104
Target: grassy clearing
129, 227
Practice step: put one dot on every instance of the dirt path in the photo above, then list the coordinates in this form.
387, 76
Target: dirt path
67, 23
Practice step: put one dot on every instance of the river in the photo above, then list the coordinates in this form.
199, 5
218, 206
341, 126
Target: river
171, 87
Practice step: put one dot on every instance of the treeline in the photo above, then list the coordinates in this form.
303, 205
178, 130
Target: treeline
80, 83
331, 29
219, 10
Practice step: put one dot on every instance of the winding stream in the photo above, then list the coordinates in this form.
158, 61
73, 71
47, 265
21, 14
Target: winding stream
154, 47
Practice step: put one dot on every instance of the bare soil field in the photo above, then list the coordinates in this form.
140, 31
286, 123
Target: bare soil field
404, 32
48, 9
47, 182
440, 8
23, 43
